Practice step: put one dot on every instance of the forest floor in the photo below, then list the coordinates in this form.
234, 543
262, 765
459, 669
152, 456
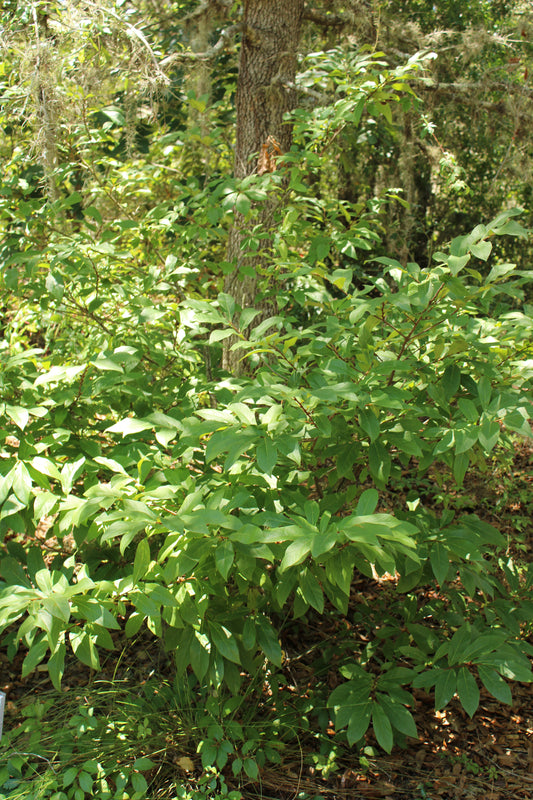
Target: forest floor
454, 757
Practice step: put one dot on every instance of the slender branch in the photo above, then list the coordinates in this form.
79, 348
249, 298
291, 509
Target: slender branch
321, 98
325, 20
207, 55
474, 86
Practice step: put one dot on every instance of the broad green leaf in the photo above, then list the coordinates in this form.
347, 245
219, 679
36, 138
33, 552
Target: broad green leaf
22, 483
489, 433
319, 248
130, 425
495, 684
359, 722
84, 649
465, 440
46, 467
56, 374
445, 443
451, 380
311, 590
324, 542
379, 463
382, 727
19, 415
267, 455
268, 641
243, 204
369, 423
248, 634
445, 687
142, 560
219, 334
133, 624
199, 655
467, 691
224, 642
34, 657
481, 249
6, 482
456, 263
440, 562
399, 716
461, 463
70, 472
224, 555
367, 503
296, 553
484, 390
458, 649
58, 606
56, 665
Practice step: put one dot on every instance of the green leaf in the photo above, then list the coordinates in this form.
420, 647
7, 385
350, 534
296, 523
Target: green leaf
142, 561
22, 483
440, 562
219, 334
465, 440
267, 455
399, 716
35, 655
359, 722
319, 248
268, 641
85, 782
456, 263
70, 472
56, 665
451, 381
484, 390
379, 463
369, 423
461, 463
382, 727
58, 606
489, 433
199, 655
130, 425
311, 590
224, 555
84, 649
495, 684
133, 624
458, 649
224, 642
445, 687
248, 634
242, 204
481, 249
367, 503
296, 553
139, 784
467, 691
19, 415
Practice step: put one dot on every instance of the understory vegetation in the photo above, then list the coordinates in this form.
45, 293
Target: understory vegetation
288, 552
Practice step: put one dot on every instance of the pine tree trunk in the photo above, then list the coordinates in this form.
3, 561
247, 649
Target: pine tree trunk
267, 66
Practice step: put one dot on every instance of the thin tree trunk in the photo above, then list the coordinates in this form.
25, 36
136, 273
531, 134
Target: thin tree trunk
267, 66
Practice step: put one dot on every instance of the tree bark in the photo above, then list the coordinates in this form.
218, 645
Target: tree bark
267, 68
